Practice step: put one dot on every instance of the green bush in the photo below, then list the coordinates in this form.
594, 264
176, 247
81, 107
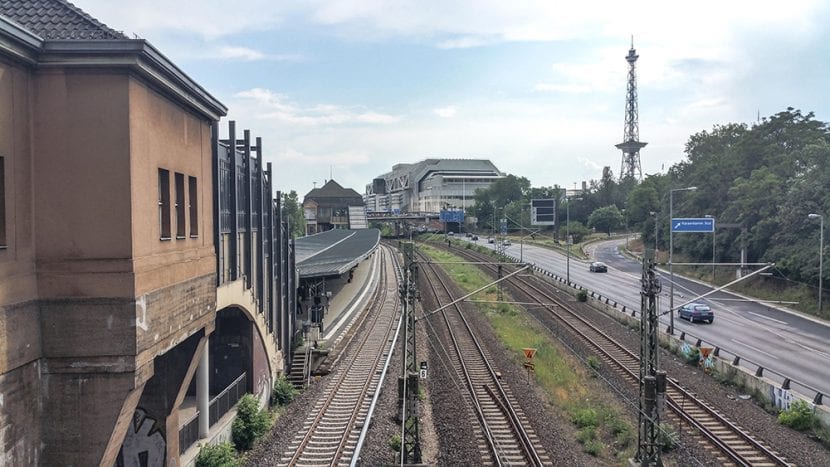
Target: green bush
250, 423
217, 455
593, 447
799, 416
593, 362
582, 296
284, 392
668, 439
585, 417
395, 443
586, 434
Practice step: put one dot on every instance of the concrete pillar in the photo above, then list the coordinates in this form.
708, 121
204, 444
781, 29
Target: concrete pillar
203, 391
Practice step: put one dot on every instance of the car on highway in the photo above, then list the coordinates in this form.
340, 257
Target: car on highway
696, 312
507, 242
490, 240
598, 266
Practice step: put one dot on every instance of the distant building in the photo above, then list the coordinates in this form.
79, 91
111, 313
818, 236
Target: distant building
333, 207
430, 185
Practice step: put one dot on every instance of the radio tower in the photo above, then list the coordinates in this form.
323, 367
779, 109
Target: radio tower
631, 144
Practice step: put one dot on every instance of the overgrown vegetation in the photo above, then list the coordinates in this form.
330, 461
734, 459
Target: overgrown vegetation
602, 432
394, 443
284, 392
800, 416
217, 455
667, 437
250, 423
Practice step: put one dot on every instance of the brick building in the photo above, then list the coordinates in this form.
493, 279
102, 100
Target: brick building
111, 288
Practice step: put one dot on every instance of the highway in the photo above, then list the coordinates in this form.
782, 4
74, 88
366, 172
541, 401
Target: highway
788, 343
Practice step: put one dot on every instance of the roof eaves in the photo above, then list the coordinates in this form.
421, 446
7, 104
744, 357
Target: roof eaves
19, 42
141, 57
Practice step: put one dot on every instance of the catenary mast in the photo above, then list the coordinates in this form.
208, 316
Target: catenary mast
631, 144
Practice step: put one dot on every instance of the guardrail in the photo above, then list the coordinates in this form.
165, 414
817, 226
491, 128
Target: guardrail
719, 351
218, 407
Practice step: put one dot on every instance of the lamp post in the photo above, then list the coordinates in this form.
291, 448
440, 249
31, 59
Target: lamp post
654, 213
568, 237
671, 253
820, 254
713, 246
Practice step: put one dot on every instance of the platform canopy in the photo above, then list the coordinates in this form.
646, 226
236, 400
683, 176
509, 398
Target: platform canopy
334, 252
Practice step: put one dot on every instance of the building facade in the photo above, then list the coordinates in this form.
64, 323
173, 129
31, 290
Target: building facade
333, 207
121, 295
430, 186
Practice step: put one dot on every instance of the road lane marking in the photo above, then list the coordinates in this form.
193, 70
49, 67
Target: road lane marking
754, 348
824, 355
767, 317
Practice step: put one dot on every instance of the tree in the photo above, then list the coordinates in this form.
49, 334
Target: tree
293, 212
605, 219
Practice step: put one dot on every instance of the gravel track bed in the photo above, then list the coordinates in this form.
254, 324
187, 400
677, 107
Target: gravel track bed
446, 438
555, 432
796, 447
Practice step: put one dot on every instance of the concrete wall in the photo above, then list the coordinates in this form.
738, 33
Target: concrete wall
20, 342
90, 297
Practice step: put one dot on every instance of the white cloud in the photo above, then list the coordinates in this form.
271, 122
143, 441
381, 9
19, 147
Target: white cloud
446, 112
270, 105
563, 88
230, 52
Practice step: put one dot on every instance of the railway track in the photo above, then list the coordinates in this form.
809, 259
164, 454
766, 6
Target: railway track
330, 434
501, 424
730, 443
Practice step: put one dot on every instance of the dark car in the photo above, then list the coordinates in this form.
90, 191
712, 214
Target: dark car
697, 312
598, 266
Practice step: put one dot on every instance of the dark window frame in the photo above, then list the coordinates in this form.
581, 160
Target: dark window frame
164, 204
193, 205
3, 239
181, 226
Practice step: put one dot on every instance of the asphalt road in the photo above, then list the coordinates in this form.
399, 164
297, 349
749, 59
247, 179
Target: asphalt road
781, 341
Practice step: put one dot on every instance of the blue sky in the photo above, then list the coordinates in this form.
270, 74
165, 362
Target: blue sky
352, 87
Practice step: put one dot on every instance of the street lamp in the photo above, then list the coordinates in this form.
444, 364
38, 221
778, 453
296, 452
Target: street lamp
820, 254
671, 253
713, 246
568, 237
654, 213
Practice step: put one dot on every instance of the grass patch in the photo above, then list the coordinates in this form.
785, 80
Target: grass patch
565, 380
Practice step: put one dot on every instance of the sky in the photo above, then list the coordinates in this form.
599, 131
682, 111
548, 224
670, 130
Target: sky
345, 89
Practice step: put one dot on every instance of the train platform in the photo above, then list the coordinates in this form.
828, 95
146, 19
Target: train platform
340, 268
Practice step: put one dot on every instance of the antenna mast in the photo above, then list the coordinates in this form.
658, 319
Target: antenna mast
631, 144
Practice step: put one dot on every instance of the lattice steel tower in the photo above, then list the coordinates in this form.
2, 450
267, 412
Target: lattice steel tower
631, 144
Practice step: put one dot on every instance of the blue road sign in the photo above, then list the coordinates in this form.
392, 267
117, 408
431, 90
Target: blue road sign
700, 224
451, 215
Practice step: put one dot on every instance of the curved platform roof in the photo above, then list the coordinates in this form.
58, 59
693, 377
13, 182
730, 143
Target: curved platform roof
333, 252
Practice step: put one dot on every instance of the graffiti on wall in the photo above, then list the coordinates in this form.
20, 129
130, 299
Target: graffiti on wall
144, 444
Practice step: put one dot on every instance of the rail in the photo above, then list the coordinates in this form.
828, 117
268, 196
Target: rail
703, 424
758, 369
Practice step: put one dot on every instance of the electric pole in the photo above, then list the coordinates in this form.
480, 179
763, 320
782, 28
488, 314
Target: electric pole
652, 379
408, 381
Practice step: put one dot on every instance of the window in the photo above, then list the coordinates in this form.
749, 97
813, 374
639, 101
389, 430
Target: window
164, 204
3, 243
193, 199
180, 226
